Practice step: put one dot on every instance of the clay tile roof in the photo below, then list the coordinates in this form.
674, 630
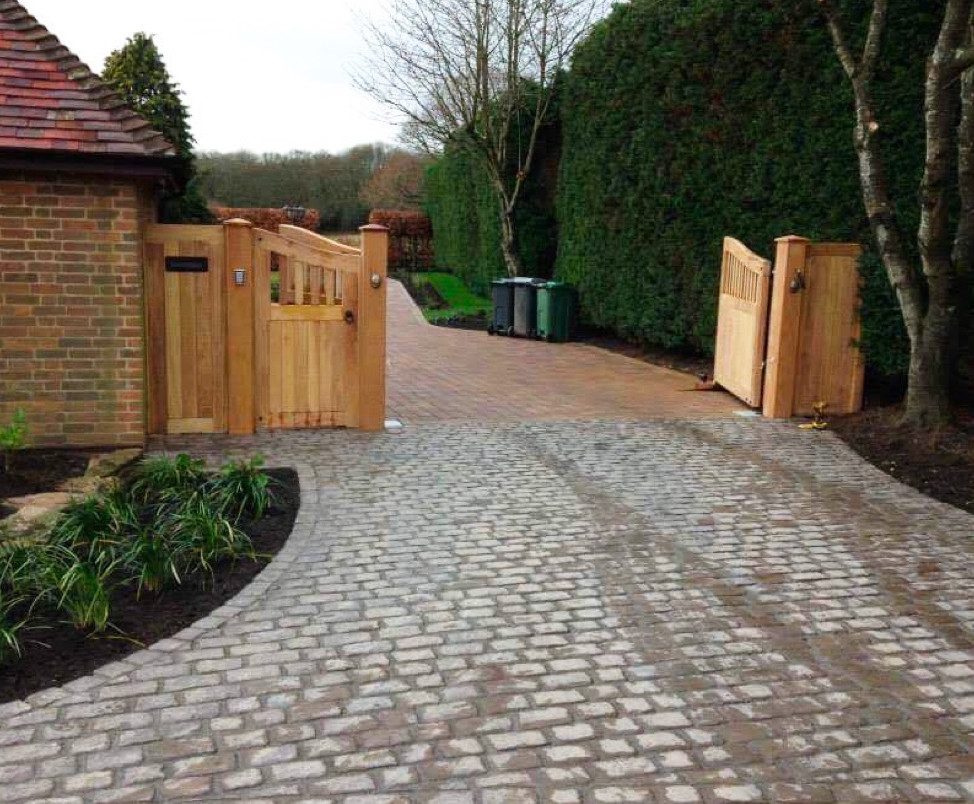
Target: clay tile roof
52, 102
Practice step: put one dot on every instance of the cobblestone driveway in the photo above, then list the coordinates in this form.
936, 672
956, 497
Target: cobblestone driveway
723, 610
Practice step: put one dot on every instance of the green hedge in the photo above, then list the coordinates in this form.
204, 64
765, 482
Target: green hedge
685, 120
466, 220
466, 229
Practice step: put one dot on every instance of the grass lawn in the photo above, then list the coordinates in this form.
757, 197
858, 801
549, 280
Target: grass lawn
460, 300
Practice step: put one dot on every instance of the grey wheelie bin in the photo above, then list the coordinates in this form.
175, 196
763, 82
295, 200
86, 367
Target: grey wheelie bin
526, 306
502, 295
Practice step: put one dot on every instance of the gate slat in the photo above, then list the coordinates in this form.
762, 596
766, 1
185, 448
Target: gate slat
314, 284
297, 270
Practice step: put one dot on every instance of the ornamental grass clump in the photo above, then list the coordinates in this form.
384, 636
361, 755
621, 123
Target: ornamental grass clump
10, 626
204, 535
170, 522
243, 489
165, 479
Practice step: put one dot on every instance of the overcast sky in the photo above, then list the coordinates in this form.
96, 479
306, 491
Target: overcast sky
260, 76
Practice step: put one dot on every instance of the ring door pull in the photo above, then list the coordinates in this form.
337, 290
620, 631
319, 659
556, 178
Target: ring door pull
349, 317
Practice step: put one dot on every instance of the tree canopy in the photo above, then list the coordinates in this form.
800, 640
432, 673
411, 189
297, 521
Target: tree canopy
138, 74
329, 183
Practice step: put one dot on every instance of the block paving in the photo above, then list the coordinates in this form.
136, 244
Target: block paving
707, 610
438, 374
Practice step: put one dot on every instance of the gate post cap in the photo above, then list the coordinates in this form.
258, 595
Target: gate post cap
792, 239
373, 227
237, 222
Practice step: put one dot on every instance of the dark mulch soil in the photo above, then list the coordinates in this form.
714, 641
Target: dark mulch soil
940, 464
39, 470
423, 293
428, 298
67, 654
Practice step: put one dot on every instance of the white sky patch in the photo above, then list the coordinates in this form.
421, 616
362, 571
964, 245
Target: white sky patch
256, 76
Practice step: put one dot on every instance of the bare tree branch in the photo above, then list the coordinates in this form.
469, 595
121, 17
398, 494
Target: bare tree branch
842, 50
963, 60
477, 74
874, 38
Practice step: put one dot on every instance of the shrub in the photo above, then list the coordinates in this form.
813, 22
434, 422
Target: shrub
204, 535
10, 626
171, 521
686, 120
84, 583
100, 520
267, 218
13, 437
153, 559
410, 238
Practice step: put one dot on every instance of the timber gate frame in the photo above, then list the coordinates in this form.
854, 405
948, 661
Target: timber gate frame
742, 321
788, 340
231, 350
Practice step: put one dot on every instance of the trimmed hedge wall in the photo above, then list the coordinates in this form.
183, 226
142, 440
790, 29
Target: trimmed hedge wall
466, 220
685, 120
466, 228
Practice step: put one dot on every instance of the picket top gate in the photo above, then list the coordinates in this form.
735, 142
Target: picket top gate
788, 340
742, 321
249, 329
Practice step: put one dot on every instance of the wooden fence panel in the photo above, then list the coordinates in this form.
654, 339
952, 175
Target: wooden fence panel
742, 322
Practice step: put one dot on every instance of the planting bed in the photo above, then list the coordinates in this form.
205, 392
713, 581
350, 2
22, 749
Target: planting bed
56, 652
939, 464
446, 301
38, 471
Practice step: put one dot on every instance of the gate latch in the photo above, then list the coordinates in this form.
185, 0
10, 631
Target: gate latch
349, 317
798, 283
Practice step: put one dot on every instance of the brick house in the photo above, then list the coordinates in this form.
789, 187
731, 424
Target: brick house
79, 179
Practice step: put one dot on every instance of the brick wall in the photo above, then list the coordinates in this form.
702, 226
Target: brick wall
71, 317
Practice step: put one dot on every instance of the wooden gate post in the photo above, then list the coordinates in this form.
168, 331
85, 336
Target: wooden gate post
241, 412
372, 327
784, 326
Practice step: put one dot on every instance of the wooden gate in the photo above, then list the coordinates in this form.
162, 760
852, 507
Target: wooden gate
306, 348
791, 343
185, 329
252, 329
742, 322
814, 355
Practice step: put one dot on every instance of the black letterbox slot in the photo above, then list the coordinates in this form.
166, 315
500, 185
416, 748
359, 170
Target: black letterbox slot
187, 265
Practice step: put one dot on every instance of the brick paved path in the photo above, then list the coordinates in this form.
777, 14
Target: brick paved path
725, 610
439, 374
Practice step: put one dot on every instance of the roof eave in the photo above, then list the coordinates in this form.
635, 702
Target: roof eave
161, 166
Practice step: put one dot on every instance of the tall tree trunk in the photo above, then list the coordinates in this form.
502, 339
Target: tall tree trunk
933, 344
506, 208
928, 303
928, 380
509, 248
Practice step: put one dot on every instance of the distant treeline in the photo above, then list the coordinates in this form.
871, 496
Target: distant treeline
337, 185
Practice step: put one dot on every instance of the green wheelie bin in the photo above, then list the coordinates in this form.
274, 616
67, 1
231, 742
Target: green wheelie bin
556, 311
